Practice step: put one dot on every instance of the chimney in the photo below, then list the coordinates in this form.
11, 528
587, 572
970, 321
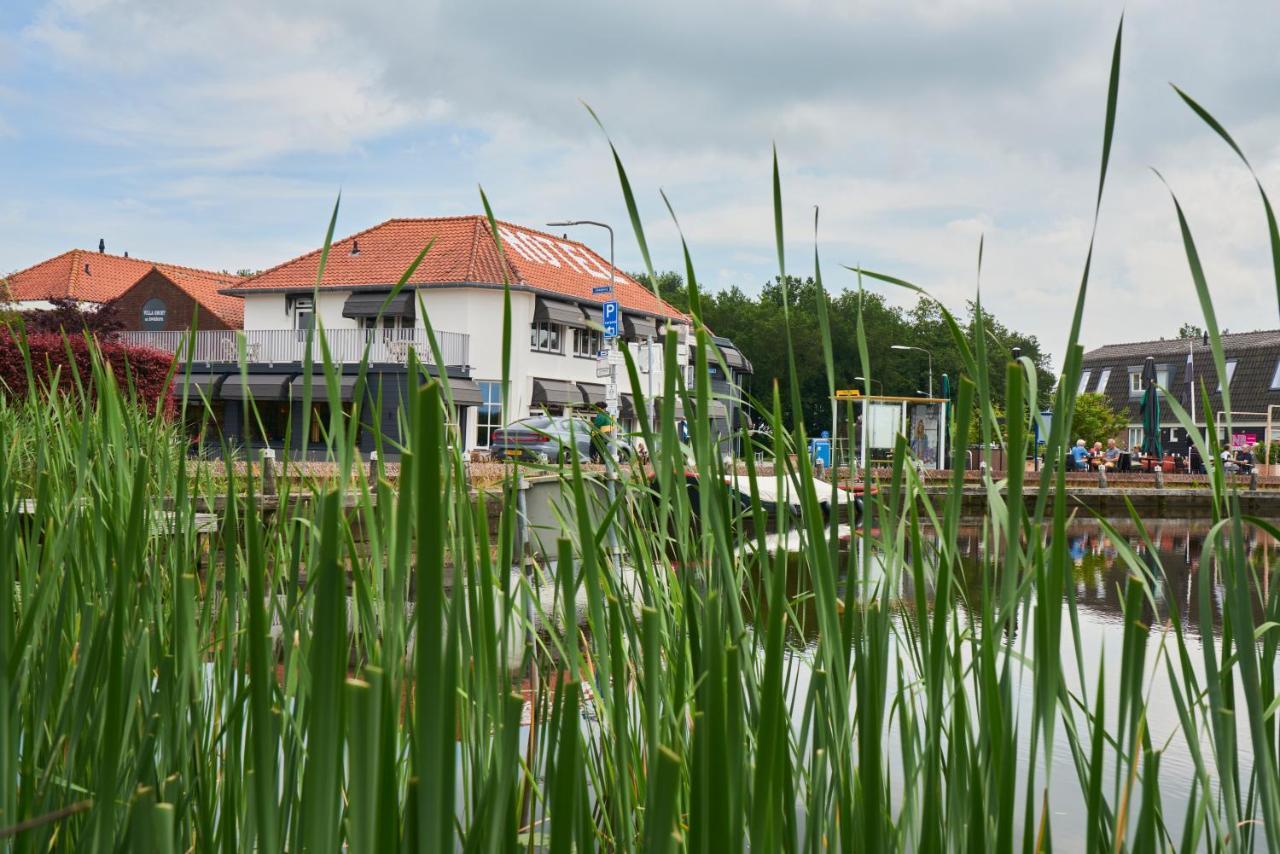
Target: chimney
102, 246
355, 247
126, 253
86, 268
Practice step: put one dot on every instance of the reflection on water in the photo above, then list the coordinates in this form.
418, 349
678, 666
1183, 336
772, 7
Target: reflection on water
1173, 560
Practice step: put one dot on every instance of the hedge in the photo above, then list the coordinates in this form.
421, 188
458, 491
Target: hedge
144, 368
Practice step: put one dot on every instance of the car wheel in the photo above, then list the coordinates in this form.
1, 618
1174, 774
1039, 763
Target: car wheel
566, 456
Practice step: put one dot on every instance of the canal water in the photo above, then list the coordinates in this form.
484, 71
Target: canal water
1099, 576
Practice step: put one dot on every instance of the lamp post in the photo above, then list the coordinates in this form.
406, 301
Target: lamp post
612, 406
922, 350
864, 379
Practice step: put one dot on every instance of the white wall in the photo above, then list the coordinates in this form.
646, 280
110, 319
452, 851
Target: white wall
476, 312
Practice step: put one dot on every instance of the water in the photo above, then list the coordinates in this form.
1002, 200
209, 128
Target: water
1099, 576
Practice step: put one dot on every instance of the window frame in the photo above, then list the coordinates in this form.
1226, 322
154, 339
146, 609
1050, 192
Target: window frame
554, 337
594, 339
1230, 365
489, 412
1103, 380
1084, 381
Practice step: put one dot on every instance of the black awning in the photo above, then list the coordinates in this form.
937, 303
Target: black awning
626, 406
637, 328
320, 388
555, 393
196, 384
594, 314
746, 366
732, 358
592, 393
369, 304
465, 392
553, 311
260, 386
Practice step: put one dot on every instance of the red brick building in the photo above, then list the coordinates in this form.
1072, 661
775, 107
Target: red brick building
149, 295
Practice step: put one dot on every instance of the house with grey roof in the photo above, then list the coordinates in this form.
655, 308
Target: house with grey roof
1252, 376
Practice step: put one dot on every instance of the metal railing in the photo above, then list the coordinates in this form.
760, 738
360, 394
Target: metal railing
283, 346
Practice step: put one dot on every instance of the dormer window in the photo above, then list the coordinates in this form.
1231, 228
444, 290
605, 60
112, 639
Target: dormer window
1084, 382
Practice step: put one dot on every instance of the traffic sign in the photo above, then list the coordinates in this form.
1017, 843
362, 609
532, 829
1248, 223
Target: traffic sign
602, 289
611, 319
847, 393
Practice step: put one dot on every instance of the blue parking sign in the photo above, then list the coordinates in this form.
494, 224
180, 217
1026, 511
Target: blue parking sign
611, 319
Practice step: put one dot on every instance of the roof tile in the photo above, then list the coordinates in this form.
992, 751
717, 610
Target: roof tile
462, 251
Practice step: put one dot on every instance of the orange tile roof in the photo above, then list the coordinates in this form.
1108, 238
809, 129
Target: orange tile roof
98, 277
463, 251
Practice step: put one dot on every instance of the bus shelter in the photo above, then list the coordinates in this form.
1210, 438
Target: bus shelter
881, 419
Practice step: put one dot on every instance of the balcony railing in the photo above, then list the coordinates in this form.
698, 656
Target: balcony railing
283, 346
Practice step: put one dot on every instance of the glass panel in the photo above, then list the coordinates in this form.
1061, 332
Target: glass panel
1231, 370
1084, 382
1103, 380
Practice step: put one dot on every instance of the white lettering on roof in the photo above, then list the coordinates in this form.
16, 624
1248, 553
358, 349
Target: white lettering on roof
586, 262
546, 250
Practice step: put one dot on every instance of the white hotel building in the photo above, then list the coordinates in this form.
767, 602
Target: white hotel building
556, 330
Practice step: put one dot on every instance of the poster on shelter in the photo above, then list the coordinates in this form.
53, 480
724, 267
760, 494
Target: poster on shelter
925, 433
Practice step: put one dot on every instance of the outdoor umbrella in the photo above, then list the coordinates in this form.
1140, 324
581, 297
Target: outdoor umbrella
1151, 412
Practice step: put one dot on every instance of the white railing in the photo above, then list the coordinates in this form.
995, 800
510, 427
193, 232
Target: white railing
283, 346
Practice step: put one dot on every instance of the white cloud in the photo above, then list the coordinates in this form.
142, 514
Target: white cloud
915, 127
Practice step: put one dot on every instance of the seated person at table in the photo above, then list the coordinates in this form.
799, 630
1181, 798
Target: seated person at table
1080, 456
1228, 460
1244, 459
1095, 454
1111, 454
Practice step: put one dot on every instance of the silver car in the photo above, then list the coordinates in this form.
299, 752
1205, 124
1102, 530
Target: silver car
542, 437
549, 438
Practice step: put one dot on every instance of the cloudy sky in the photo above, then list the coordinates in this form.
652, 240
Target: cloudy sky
218, 135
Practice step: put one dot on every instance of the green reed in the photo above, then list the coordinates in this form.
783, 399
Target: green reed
356, 663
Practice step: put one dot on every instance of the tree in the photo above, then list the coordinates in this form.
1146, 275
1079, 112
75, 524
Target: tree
71, 317
1095, 420
1190, 330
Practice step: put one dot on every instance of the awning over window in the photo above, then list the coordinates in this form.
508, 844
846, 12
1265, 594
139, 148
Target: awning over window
732, 357
592, 394
639, 328
553, 311
465, 392
260, 386
555, 393
626, 406
369, 304
715, 409
196, 384
320, 388
593, 314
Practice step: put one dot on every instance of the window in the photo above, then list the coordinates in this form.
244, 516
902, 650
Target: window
1275, 378
1135, 438
546, 337
1103, 380
1163, 375
304, 313
488, 413
1084, 382
1135, 382
1231, 370
587, 342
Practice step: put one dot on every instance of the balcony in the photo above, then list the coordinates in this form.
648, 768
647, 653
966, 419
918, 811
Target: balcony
285, 346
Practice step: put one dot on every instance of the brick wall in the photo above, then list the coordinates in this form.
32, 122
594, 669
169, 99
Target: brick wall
179, 306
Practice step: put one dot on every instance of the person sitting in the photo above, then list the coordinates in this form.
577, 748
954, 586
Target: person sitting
1244, 459
1112, 454
1080, 456
1096, 456
1228, 461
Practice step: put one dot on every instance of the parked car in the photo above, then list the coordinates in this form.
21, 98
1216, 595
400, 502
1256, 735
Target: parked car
553, 438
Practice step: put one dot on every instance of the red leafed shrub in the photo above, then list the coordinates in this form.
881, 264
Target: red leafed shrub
68, 357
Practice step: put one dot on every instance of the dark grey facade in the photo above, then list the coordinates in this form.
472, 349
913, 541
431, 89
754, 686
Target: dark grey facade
1253, 363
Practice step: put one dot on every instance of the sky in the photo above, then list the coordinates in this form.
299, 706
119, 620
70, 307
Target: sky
220, 135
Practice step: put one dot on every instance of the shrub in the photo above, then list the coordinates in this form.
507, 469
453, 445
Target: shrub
56, 361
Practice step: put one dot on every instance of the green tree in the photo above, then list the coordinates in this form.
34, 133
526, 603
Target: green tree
1095, 420
1190, 330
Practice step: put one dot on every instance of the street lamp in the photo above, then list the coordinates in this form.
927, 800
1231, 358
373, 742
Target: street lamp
922, 350
864, 379
613, 366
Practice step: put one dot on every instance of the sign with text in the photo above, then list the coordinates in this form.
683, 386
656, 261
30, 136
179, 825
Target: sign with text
847, 393
610, 317
154, 314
